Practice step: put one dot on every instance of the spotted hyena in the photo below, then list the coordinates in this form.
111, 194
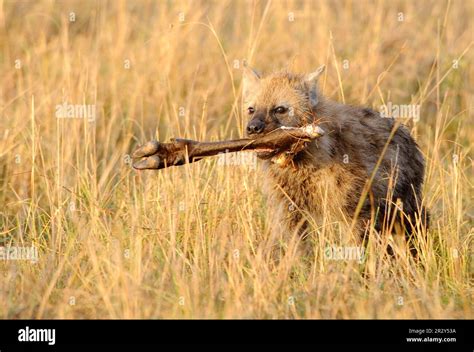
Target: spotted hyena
366, 167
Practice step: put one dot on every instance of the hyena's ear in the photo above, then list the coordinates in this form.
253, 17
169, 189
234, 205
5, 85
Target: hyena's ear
311, 80
251, 81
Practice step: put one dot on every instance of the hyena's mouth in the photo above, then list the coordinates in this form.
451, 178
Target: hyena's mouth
266, 154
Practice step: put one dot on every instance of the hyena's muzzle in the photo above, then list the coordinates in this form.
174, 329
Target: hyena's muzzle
259, 125
256, 125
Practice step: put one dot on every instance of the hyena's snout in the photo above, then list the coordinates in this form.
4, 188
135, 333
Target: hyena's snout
255, 126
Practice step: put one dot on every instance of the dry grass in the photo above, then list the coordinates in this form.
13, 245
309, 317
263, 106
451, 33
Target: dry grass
194, 241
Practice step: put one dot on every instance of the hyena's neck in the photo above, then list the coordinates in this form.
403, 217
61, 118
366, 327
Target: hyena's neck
324, 151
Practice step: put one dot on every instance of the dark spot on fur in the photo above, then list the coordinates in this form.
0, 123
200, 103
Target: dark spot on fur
367, 112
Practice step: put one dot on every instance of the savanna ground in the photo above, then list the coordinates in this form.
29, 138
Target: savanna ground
193, 242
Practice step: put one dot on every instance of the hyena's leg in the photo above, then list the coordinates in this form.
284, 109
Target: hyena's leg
288, 229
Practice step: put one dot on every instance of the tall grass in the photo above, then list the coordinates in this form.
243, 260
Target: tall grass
194, 241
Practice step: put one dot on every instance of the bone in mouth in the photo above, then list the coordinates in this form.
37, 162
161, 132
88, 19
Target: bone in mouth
157, 155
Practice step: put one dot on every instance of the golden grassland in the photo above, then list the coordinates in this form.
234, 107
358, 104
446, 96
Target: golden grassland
194, 241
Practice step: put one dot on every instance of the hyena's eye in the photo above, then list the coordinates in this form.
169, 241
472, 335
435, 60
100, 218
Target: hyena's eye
280, 110
250, 110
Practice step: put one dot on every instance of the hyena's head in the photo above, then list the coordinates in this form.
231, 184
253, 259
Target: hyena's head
279, 99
